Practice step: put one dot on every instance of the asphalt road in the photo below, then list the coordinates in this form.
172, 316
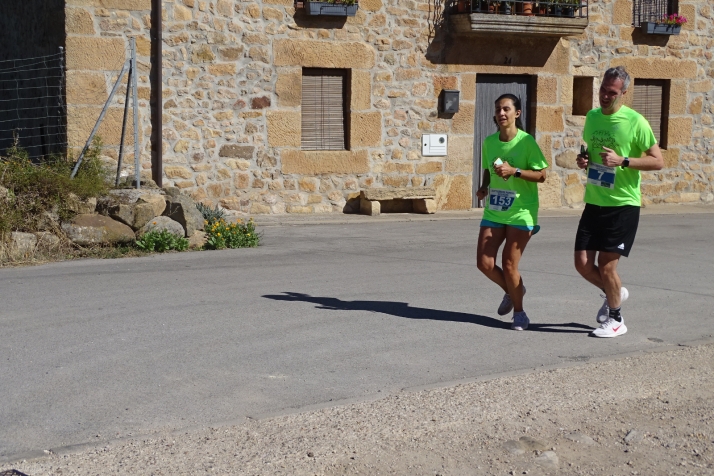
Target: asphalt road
96, 350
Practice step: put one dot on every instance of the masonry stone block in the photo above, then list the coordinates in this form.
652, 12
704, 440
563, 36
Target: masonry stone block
81, 121
288, 87
550, 192
549, 118
323, 54
95, 54
463, 121
237, 151
79, 22
328, 162
361, 90
284, 128
657, 68
679, 131
86, 88
678, 97
547, 89
366, 129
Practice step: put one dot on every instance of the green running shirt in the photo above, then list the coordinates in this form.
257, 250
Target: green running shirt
629, 135
523, 153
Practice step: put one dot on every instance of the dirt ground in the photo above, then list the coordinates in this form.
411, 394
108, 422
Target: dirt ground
651, 414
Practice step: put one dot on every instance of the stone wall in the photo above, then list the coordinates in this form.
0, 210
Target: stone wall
98, 34
232, 74
686, 61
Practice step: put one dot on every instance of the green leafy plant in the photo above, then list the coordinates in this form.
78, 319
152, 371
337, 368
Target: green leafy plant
221, 234
161, 241
36, 188
210, 215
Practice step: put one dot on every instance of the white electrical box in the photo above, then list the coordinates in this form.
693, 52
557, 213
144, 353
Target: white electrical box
434, 145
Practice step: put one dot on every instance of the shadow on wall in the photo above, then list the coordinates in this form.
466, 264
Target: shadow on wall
31, 28
446, 47
403, 309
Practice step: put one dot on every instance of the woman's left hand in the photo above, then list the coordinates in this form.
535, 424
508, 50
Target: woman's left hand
504, 170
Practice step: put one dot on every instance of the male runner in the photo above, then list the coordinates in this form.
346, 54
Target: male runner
620, 144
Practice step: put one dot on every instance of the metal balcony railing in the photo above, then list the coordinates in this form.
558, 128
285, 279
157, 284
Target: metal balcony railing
563, 8
651, 10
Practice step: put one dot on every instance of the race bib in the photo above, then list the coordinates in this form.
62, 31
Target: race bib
601, 176
500, 200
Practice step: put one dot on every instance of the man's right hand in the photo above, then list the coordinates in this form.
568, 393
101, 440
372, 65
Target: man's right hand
583, 160
481, 193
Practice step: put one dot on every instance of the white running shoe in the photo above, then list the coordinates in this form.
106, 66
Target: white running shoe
520, 321
604, 313
507, 305
610, 328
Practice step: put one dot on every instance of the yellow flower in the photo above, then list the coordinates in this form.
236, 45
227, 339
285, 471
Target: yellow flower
154, 223
218, 234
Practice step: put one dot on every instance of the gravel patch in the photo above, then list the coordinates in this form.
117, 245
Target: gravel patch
652, 414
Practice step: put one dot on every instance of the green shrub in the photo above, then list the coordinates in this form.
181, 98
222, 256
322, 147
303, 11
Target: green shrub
46, 187
161, 241
210, 215
221, 234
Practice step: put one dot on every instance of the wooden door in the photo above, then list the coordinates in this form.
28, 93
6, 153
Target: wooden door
488, 88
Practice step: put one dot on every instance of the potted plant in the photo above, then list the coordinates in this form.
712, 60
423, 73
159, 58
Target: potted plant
667, 25
569, 7
463, 6
340, 8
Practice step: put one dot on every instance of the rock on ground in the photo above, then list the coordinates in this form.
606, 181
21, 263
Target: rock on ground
468, 429
97, 229
183, 210
162, 223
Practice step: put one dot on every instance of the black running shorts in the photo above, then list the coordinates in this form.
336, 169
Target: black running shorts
611, 229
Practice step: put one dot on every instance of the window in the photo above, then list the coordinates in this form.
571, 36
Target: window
582, 95
652, 10
651, 99
324, 111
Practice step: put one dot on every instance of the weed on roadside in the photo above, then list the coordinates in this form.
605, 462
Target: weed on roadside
161, 240
220, 234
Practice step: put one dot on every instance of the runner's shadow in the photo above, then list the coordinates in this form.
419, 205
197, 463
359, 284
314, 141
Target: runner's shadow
402, 309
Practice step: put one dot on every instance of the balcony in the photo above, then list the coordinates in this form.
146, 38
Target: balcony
563, 18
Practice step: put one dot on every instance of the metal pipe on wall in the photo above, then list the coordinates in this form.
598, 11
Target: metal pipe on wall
157, 100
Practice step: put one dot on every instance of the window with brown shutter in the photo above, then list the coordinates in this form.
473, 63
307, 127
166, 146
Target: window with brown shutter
651, 99
324, 112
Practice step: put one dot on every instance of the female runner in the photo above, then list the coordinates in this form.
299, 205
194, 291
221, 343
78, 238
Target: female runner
513, 165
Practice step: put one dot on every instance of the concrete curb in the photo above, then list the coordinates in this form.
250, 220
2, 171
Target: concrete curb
473, 214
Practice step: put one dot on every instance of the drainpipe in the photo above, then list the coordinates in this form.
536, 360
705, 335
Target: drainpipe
157, 100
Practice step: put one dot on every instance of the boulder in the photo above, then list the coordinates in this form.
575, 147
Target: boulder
49, 221
21, 244
79, 206
47, 239
197, 240
172, 191
132, 207
90, 229
162, 223
183, 210
148, 206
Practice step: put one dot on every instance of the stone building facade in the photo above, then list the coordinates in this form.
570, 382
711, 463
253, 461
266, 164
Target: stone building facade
232, 97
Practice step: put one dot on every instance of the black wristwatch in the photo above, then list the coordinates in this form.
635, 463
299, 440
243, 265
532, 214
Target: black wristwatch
518, 173
625, 162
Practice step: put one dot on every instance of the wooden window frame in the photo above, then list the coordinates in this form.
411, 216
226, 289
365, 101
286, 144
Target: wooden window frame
637, 105
583, 95
336, 138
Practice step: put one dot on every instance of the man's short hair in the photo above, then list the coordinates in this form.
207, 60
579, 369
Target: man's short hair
618, 73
